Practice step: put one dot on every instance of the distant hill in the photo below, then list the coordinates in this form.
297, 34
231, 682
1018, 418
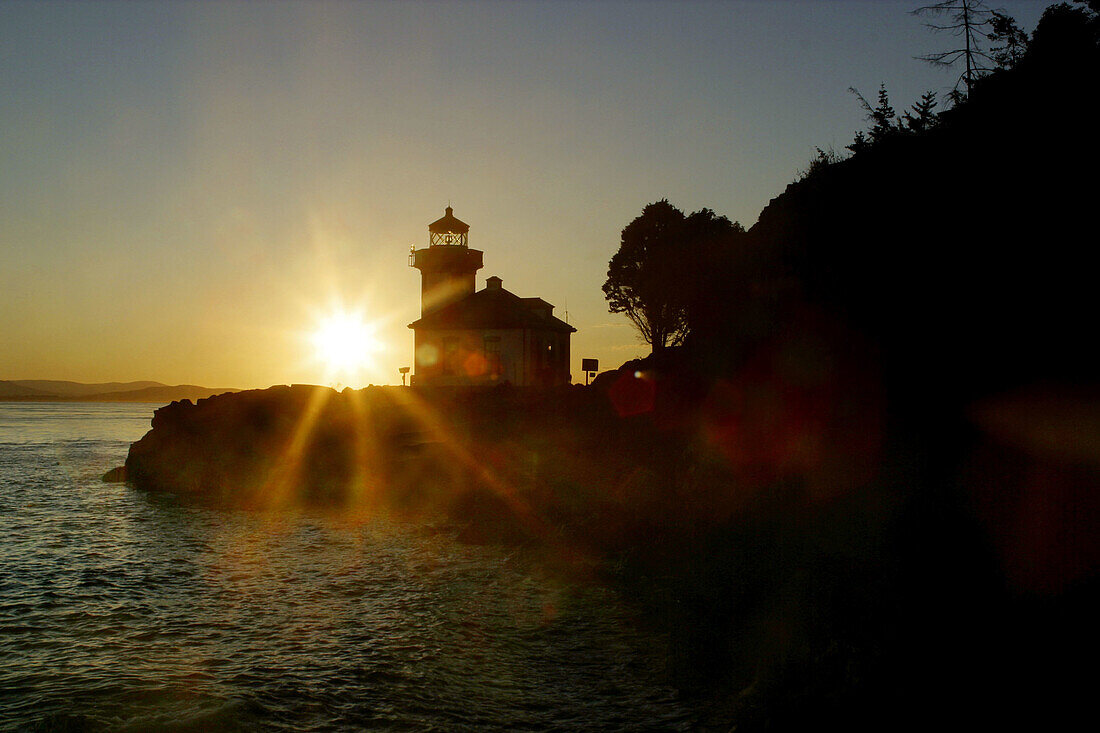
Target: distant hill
80, 389
159, 393
19, 389
46, 390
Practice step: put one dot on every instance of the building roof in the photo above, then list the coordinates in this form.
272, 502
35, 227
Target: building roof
491, 308
448, 223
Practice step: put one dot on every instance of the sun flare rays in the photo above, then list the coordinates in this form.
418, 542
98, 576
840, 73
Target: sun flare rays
346, 345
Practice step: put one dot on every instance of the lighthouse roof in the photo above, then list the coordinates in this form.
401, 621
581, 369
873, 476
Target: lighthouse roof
493, 308
449, 223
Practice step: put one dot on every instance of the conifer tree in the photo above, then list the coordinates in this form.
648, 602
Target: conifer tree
976, 26
921, 115
1011, 41
882, 116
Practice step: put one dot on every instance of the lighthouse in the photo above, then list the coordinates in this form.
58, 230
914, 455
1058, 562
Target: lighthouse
492, 336
447, 265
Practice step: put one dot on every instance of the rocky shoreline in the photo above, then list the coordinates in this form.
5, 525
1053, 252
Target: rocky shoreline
787, 586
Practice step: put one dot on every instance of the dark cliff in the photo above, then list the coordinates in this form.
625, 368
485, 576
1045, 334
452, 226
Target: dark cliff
962, 252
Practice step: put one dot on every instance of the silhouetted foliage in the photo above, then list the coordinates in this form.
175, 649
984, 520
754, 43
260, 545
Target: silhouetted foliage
921, 116
822, 159
859, 144
715, 266
657, 275
900, 258
1010, 42
883, 119
976, 26
968, 277
1065, 37
885, 122
642, 276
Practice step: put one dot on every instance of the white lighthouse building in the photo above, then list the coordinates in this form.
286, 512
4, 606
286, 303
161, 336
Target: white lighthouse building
484, 337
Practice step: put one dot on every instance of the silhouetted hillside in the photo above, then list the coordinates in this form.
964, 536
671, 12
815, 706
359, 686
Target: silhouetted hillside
963, 253
946, 277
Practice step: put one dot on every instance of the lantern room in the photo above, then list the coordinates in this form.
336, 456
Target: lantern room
448, 231
447, 265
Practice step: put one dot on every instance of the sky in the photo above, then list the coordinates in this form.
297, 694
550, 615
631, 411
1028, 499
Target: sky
188, 190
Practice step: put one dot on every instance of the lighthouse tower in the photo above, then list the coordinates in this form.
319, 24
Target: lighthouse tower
465, 338
447, 265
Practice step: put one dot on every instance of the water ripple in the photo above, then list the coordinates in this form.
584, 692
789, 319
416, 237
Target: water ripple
125, 611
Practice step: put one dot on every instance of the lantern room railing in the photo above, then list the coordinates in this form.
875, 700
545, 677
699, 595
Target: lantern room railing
448, 239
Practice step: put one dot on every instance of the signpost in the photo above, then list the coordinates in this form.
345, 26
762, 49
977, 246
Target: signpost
589, 367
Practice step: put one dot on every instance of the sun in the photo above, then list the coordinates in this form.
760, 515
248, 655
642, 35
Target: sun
344, 343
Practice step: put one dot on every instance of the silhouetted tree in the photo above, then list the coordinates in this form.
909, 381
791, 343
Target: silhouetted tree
859, 144
663, 275
1067, 37
716, 277
1094, 12
1010, 39
882, 116
921, 116
642, 275
975, 25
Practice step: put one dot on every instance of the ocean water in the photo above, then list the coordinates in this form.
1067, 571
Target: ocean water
121, 610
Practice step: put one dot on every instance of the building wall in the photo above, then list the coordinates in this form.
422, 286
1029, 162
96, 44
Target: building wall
522, 357
547, 361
